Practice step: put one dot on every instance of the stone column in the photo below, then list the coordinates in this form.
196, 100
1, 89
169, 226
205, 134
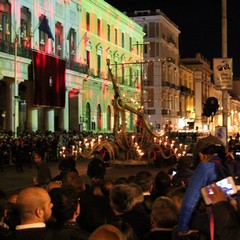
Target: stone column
32, 119
49, 118
64, 117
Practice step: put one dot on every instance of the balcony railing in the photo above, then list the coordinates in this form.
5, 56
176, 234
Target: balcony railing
9, 48
76, 66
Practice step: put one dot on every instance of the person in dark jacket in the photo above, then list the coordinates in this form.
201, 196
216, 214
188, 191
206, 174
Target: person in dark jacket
5, 231
208, 153
66, 209
227, 223
18, 154
164, 218
43, 171
184, 171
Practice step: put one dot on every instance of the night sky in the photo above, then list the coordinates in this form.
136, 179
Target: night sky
199, 23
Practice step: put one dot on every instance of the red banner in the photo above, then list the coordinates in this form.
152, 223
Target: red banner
49, 80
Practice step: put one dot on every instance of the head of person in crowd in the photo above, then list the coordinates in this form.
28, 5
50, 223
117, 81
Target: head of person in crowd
162, 184
177, 196
107, 232
13, 218
138, 193
66, 205
68, 164
12, 198
121, 198
121, 180
145, 180
96, 169
125, 228
34, 205
37, 157
184, 170
106, 187
164, 213
53, 184
206, 148
75, 180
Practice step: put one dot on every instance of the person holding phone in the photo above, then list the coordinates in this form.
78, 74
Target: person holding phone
226, 218
207, 153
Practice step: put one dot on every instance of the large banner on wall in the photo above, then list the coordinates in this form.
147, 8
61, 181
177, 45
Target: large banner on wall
49, 80
223, 73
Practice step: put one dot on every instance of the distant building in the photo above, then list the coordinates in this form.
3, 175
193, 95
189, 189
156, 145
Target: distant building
161, 73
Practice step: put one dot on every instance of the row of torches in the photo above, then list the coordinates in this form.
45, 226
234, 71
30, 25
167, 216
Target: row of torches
82, 146
88, 143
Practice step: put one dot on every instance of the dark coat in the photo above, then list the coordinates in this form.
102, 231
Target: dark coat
6, 234
138, 219
226, 221
70, 231
33, 234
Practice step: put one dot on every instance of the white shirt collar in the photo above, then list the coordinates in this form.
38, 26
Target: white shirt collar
31, 225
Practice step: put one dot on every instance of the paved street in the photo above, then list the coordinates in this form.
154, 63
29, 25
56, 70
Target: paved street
11, 181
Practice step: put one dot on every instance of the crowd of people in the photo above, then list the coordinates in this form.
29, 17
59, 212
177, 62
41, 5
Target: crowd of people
19, 151
165, 206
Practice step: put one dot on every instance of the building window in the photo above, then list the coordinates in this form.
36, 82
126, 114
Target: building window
150, 97
72, 44
123, 73
145, 29
108, 32
99, 27
5, 16
157, 49
44, 44
130, 44
145, 48
116, 36
116, 69
88, 59
137, 47
88, 117
123, 40
99, 117
88, 21
157, 29
26, 30
150, 73
99, 60
152, 49
152, 29
59, 39
130, 76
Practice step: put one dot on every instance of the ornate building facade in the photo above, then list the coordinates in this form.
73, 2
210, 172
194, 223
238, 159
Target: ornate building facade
84, 35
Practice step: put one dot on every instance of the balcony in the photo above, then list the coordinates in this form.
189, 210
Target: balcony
9, 48
76, 66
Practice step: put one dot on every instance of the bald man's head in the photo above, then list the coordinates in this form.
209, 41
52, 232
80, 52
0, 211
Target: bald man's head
34, 205
108, 232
